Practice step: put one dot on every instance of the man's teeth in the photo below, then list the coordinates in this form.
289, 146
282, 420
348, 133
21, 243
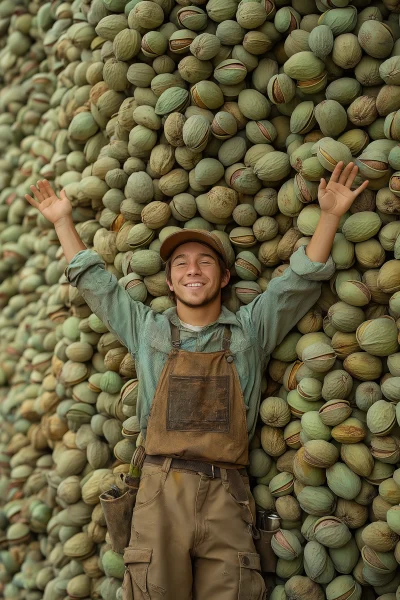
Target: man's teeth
193, 285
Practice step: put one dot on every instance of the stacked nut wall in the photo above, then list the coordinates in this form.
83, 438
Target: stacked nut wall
221, 115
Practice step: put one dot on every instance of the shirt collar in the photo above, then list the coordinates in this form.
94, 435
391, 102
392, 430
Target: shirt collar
226, 317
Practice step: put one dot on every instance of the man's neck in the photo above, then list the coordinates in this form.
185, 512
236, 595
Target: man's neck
200, 316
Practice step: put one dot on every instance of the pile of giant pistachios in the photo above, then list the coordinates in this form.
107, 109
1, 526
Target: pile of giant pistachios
221, 115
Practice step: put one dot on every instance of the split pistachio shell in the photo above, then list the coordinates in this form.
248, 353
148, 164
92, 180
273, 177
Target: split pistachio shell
331, 532
286, 545
343, 586
381, 417
319, 453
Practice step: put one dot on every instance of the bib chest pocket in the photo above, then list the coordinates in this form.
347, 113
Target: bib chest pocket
197, 403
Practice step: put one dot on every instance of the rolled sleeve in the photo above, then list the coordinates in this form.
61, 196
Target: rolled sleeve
307, 269
272, 314
106, 298
80, 263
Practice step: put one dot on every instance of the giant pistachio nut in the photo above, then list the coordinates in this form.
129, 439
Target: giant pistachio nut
381, 417
319, 357
286, 545
319, 453
331, 117
307, 475
354, 293
321, 41
274, 411
299, 587
207, 94
340, 20
281, 89
378, 336
272, 167
393, 520
331, 532
389, 277
303, 66
376, 39
344, 586
350, 431
379, 537
310, 388
343, 482
230, 72
174, 99
330, 152
317, 501
317, 564
358, 458
337, 384
303, 119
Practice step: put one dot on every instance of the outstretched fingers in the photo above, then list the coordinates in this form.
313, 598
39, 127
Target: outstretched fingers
361, 188
48, 189
351, 177
32, 201
45, 188
346, 173
37, 192
42, 191
336, 172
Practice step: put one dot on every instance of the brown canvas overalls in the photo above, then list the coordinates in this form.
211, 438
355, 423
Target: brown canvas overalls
193, 522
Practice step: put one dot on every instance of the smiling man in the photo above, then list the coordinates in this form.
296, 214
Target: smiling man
199, 368
195, 274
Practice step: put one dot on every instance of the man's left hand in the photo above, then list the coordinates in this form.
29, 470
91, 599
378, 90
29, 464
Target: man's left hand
336, 197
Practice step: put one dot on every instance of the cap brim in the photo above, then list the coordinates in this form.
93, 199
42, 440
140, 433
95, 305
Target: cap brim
190, 235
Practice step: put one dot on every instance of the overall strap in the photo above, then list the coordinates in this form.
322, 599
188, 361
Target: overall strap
226, 340
175, 336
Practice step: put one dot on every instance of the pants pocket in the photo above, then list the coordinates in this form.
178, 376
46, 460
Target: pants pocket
150, 487
137, 562
251, 582
247, 507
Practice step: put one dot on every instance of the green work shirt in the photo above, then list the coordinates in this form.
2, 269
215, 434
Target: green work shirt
256, 327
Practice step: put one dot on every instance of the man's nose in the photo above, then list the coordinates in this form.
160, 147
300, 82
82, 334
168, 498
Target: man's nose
193, 268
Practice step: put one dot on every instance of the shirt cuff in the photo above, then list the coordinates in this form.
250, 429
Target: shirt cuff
307, 269
80, 263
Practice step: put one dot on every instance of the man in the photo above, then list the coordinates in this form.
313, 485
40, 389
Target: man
199, 369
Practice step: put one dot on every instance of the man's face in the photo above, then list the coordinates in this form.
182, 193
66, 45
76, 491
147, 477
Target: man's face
195, 274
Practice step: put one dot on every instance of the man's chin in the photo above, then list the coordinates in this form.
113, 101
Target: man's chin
193, 302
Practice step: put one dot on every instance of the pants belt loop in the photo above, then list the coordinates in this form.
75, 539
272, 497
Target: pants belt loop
167, 464
224, 474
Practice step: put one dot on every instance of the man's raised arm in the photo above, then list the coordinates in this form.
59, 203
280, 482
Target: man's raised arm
86, 270
59, 212
287, 299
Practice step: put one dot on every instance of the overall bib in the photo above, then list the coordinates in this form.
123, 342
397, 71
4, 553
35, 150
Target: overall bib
194, 518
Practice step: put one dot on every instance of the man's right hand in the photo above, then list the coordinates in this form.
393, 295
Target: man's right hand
55, 209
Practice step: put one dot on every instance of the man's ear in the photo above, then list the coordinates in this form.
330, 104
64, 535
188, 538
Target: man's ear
171, 287
225, 278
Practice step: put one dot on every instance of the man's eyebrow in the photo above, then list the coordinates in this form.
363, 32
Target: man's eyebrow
200, 254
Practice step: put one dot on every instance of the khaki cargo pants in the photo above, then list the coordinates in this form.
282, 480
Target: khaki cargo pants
189, 540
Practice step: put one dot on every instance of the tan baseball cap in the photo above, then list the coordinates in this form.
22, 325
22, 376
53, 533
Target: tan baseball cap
191, 235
